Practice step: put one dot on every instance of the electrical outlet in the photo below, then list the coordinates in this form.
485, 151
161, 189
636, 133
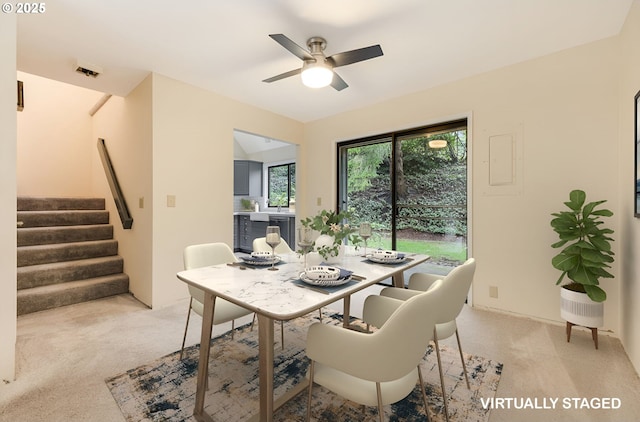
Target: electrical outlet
493, 292
171, 201
141, 202
319, 201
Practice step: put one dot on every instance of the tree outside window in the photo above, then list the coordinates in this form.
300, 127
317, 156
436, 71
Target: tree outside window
281, 184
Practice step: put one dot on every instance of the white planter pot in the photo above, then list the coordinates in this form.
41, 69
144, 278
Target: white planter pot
579, 309
326, 240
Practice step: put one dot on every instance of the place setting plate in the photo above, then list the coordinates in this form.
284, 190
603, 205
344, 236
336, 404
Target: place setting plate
386, 257
261, 258
325, 276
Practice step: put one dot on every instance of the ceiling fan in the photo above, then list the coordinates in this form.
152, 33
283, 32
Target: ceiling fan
317, 69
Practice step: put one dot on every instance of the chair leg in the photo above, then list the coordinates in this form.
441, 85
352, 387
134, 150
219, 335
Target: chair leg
310, 390
320, 312
380, 408
253, 321
464, 367
424, 393
233, 327
444, 392
184, 338
282, 334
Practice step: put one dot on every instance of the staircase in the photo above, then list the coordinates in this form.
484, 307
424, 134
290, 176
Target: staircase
66, 253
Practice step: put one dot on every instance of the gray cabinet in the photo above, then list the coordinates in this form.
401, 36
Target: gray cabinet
246, 230
287, 228
247, 178
244, 243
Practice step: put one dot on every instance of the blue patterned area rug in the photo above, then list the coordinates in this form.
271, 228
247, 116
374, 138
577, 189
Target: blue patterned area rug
164, 390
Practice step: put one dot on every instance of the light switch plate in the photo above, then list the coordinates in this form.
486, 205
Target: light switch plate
171, 201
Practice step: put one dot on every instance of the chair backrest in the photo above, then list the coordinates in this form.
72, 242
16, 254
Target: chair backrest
260, 245
204, 255
454, 290
399, 345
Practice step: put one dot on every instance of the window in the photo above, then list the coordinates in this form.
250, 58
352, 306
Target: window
281, 182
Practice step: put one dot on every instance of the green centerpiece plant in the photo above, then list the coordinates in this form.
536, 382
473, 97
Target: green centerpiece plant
586, 245
335, 225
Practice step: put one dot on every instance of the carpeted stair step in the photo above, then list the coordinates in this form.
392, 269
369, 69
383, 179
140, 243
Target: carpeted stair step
55, 295
49, 235
60, 252
62, 218
62, 272
26, 203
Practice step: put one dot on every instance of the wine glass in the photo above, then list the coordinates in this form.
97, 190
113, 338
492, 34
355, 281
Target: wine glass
305, 242
365, 233
273, 240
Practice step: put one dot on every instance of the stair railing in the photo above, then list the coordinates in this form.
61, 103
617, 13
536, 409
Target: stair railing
118, 197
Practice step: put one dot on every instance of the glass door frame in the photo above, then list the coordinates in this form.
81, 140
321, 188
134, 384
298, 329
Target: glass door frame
395, 138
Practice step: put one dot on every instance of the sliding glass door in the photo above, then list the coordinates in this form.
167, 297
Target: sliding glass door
412, 187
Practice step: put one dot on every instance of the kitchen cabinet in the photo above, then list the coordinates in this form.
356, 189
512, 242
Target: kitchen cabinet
246, 230
247, 178
287, 228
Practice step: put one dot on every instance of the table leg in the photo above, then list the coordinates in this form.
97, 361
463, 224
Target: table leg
265, 351
398, 279
346, 312
203, 362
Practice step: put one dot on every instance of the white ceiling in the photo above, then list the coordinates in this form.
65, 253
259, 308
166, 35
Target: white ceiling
223, 46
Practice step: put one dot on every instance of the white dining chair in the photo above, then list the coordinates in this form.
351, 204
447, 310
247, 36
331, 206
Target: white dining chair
203, 255
454, 290
379, 368
260, 245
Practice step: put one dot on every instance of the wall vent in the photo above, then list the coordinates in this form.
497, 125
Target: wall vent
88, 69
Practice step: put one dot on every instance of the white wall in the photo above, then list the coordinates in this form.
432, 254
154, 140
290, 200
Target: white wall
629, 226
8, 135
563, 109
193, 152
54, 138
125, 125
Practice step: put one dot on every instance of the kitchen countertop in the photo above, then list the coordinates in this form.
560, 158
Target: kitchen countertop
271, 213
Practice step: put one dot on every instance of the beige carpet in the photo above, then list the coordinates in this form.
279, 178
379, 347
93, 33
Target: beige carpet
64, 355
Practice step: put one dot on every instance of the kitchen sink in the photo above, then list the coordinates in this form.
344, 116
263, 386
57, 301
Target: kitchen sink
259, 216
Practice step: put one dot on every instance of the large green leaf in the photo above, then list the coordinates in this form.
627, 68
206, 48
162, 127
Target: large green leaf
564, 262
595, 293
593, 255
583, 275
577, 198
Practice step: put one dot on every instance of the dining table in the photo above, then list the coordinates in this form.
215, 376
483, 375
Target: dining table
278, 296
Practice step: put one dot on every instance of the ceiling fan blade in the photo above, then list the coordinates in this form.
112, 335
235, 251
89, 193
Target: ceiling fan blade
338, 83
354, 56
283, 75
294, 48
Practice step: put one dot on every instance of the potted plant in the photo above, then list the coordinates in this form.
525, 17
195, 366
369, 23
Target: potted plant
584, 258
334, 228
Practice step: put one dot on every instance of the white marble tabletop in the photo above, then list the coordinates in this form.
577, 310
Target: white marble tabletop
276, 295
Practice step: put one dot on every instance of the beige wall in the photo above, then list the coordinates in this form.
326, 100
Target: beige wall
193, 161
629, 226
563, 111
126, 126
8, 135
54, 130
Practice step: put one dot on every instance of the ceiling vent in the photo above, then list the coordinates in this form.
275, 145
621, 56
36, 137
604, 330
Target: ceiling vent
88, 69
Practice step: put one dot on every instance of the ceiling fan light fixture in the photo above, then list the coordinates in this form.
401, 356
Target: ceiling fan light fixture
316, 75
437, 143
